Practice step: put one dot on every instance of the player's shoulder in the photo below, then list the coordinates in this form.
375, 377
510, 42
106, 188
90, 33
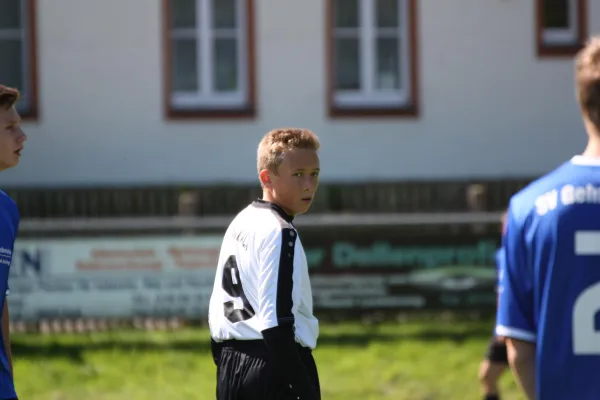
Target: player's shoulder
264, 218
7, 203
542, 194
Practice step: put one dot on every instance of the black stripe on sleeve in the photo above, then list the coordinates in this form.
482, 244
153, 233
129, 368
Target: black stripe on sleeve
285, 281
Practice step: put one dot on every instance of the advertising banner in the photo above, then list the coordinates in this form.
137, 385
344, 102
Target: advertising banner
410, 268
379, 268
115, 278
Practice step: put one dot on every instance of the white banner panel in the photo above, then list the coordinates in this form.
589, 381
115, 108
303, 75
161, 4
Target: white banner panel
113, 277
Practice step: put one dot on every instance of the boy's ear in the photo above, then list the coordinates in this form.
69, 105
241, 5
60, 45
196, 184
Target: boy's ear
265, 178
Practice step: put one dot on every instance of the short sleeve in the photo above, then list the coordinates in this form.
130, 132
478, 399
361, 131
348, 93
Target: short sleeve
275, 279
515, 317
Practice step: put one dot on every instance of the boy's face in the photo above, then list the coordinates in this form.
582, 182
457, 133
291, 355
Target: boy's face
294, 185
12, 138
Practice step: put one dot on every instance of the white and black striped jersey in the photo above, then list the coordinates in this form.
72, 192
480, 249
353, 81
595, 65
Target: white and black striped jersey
262, 279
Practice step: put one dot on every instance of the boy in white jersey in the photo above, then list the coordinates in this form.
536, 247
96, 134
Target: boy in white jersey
260, 315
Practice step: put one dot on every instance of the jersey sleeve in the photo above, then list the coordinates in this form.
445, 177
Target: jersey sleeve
275, 279
17, 220
515, 317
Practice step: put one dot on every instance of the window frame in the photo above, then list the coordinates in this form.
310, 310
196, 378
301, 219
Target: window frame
242, 105
28, 110
560, 42
405, 103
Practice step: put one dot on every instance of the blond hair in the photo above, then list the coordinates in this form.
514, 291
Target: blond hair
8, 97
276, 142
587, 77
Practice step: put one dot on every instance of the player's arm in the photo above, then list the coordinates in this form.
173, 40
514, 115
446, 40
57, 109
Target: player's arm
515, 317
521, 357
275, 286
6, 334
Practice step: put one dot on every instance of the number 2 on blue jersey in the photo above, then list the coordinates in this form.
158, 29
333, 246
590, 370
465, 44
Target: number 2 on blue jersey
586, 339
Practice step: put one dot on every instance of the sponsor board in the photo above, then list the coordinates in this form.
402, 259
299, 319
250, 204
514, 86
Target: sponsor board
172, 276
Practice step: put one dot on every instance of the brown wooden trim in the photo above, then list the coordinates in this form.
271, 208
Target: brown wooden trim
329, 75
545, 50
405, 110
177, 114
31, 113
166, 57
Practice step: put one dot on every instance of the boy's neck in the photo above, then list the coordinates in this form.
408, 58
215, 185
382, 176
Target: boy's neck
269, 198
593, 147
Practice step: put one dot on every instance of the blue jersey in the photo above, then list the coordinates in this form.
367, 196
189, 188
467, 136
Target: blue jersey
9, 225
550, 285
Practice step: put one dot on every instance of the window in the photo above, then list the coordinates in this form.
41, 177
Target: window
18, 52
372, 57
561, 26
209, 56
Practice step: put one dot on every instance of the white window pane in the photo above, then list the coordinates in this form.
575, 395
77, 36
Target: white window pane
388, 64
346, 13
11, 69
556, 14
225, 71
185, 65
183, 13
347, 64
10, 16
387, 13
224, 13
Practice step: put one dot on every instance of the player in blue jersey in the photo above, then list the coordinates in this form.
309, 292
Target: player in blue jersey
549, 308
496, 359
12, 140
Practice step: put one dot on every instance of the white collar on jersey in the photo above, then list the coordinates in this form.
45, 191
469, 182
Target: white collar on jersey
585, 160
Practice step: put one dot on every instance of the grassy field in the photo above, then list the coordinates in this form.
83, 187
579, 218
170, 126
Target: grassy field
409, 361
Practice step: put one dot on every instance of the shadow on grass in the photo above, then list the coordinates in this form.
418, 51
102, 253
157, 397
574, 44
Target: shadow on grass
75, 351
371, 335
58, 348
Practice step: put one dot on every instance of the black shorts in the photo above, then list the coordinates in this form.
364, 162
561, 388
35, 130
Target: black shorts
244, 373
496, 352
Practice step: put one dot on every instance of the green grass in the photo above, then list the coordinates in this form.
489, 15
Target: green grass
416, 361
